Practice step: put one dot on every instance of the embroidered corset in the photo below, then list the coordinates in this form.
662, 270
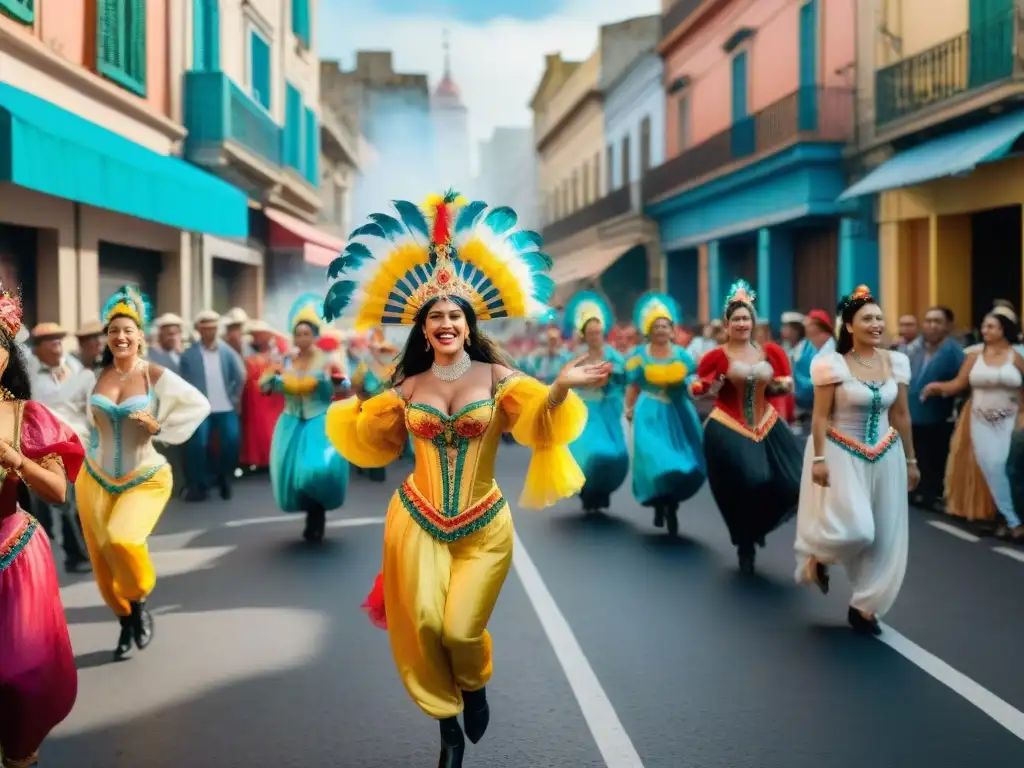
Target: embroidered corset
995, 391
453, 476
860, 417
121, 453
743, 395
306, 394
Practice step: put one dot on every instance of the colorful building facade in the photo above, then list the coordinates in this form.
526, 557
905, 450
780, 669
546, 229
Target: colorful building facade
938, 137
759, 103
91, 191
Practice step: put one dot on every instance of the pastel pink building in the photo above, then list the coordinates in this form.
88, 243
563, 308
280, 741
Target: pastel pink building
759, 103
92, 194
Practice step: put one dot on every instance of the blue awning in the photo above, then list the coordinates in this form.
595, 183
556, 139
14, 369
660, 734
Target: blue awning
54, 151
945, 156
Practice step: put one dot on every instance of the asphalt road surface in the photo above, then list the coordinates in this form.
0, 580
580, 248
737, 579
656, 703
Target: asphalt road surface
614, 646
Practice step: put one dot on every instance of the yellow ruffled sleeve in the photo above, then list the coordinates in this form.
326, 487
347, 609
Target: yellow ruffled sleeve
369, 433
548, 430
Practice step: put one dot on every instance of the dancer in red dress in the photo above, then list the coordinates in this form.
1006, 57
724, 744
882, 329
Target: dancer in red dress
260, 410
38, 680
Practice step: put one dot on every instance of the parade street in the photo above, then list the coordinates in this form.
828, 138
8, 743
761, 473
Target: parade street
614, 646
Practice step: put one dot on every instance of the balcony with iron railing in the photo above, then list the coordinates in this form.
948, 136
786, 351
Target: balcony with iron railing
971, 61
811, 114
218, 113
617, 203
676, 14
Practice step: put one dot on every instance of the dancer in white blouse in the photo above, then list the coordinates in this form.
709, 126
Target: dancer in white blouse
858, 466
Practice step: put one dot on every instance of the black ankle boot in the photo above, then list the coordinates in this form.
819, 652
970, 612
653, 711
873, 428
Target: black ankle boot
861, 625
659, 517
124, 640
141, 624
747, 556
316, 523
453, 744
476, 714
671, 521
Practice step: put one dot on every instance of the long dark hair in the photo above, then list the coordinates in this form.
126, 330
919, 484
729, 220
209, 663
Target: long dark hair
847, 310
15, 376
107, 358
418, 355
1011, 331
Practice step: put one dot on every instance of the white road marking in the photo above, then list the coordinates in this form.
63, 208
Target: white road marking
339, 522
954, 531
1003, 713
352, 522
1016, 554
612, 740
260, 520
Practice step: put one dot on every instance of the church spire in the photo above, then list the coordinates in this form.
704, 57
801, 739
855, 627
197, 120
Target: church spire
447, 48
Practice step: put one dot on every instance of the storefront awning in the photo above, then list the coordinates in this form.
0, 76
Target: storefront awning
288, 233
56, 152
587, 262
946, 156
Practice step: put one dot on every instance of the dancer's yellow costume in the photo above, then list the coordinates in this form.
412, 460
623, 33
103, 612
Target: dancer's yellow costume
448, 535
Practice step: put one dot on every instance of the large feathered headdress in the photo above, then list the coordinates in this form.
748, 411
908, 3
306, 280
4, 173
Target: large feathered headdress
584, 307
308, 308
740, 292
128, 301
655, 306
10, 313
392, 266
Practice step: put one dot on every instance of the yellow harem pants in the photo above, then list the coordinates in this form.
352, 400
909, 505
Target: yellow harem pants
439, 597
116, 527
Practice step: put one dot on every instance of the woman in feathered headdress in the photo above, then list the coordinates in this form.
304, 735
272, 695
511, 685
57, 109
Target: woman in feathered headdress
306, 473
858, 466
752, 457
127, 483
601, 450
38, 680
442, 269
668, 464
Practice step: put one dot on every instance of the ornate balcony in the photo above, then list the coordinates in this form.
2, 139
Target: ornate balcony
971, 61
814, 114
227, 129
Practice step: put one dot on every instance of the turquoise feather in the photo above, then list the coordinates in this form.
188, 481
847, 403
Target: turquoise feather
305, 300
412, 217
132, 296
525, 240
543, 288
469, 215
570, 319
645, 301
353, 257
338, 297
501, 220
368, 230
391, 226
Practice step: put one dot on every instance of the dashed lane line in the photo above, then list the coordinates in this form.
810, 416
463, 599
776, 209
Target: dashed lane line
952, 530
1016, 554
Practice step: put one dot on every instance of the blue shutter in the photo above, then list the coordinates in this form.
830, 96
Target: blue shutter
259, 61
205, 35
22, 10
121, 43
300, 21
743, 127
807, 96
991, 34
293, 128
312, 154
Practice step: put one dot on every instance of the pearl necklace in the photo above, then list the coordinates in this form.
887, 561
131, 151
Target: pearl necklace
866, 362
452, 372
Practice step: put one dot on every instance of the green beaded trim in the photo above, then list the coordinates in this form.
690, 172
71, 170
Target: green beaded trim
115, 488
450, 536
9, 553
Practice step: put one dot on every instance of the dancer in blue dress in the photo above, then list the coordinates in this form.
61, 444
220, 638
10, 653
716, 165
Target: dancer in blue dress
601, 450
306, 473
668, 457
545, 364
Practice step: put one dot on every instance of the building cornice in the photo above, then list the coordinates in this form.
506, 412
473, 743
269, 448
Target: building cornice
552, 133
38, 55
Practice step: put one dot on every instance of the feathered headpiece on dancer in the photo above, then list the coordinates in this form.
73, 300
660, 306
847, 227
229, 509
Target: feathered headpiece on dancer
655, 306
308, 308
740, 292
391, 267
584, 307
128, 301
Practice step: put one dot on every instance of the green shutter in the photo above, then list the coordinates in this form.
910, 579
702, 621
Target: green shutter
293, 148
20, 10
121, 43
301, 21
312, 143
259, 61
205, 36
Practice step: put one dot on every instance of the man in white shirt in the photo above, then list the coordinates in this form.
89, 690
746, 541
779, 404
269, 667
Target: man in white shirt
216, 370
60, 383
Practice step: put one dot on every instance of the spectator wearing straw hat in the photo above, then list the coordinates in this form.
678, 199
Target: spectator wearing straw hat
90, 345
235, 328
216, 370
167, 349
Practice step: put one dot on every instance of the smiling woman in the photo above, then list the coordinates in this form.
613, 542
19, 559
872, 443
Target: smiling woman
448, 536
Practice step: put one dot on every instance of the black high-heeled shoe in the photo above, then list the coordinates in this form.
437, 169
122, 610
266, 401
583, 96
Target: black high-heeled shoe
476, 715
671, 521
124, 640
659, 517
747, 557
141, 625
316, 525
453, 744
862, 625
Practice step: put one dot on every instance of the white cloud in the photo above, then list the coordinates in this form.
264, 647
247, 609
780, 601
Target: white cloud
496, 65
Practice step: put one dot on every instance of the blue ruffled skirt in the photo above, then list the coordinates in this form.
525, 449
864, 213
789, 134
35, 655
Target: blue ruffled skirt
304, 467
668, 455
601, 452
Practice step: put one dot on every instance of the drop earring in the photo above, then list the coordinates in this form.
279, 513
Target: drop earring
467, 341
428, 346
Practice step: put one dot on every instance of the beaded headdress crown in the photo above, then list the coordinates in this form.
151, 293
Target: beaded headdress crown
306, 309
391, 267
10, 313
584, 307
740, 292
652, 307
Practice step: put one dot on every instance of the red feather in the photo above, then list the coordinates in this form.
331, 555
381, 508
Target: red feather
442, 225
